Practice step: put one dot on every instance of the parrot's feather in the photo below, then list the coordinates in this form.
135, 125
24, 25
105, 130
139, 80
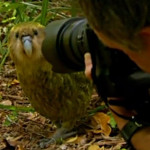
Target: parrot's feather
63, 98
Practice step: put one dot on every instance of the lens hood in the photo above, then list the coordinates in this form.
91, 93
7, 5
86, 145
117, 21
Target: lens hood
56, 47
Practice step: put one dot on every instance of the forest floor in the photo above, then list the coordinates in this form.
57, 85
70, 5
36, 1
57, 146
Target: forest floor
21, 128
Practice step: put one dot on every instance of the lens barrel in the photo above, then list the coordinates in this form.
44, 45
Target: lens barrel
65, 44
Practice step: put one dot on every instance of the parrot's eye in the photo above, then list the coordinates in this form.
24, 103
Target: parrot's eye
17, 35
35, 32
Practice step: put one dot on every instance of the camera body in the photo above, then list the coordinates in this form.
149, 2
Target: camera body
65, 44
113, 73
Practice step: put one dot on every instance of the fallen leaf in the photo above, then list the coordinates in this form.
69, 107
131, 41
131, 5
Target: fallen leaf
100, 123
14, 141
14, 82
3, 84
63, 147
102, 148
6, 102
2, 145
77, 140
94, 147
72, 139
20, 147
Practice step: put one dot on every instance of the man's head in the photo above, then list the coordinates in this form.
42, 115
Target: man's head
122, 24
121, 20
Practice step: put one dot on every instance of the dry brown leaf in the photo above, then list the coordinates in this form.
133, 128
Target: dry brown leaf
94, 147
97, 131
77, 140
14, 141
2, 145
100, 122
20, 147
3, 84
42, 119
102, 148
6, 102
1, 93
14, 82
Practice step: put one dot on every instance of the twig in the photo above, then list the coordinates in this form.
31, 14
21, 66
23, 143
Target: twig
113, 142
13, 97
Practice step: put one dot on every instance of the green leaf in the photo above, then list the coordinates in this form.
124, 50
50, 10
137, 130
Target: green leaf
112, 120
16, 109
44, 12
11, 119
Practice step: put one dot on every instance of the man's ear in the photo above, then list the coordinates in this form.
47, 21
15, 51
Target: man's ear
145, 36
145, 32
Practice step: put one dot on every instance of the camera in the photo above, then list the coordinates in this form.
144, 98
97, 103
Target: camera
113, 73
67, 41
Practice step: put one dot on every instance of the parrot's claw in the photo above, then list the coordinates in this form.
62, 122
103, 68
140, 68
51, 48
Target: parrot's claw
58, 136
44, 143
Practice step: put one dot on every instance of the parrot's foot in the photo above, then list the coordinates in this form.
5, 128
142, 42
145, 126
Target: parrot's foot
59, 135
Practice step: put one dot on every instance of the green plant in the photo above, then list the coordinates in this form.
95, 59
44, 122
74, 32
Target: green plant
15, 11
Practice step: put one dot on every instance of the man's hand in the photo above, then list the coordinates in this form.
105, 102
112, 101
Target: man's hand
88, 65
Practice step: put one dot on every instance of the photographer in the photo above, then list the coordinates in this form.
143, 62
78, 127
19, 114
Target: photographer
120, 69
123, 25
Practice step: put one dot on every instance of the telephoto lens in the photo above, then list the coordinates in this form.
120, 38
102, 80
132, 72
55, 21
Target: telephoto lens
66, 43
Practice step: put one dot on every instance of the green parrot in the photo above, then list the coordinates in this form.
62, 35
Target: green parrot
62, 98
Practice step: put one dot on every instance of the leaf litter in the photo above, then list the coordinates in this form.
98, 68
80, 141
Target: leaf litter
22, 129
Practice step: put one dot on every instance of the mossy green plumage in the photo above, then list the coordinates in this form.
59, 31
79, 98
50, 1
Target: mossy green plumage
63, 98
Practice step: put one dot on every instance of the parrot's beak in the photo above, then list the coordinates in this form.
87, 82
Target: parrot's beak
27, 43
